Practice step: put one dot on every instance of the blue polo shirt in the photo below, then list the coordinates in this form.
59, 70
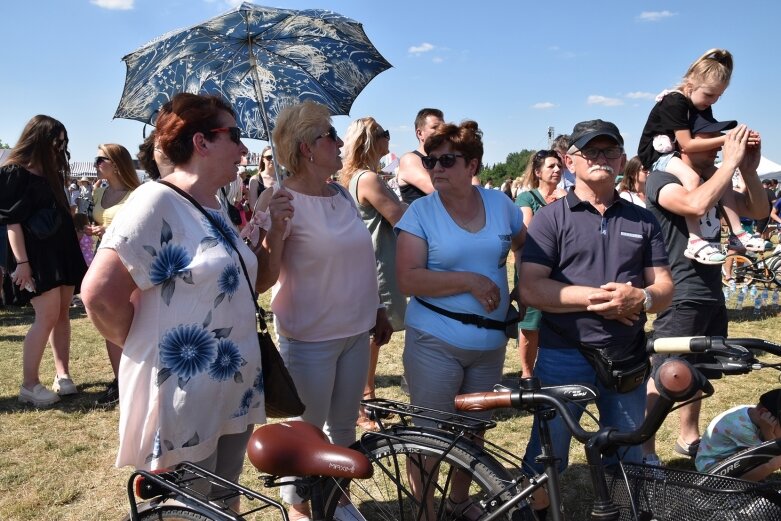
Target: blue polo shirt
584, 248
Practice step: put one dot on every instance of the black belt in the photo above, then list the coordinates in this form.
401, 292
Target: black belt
469, 318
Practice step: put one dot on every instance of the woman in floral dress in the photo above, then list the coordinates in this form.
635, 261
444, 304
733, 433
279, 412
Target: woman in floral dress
168, 287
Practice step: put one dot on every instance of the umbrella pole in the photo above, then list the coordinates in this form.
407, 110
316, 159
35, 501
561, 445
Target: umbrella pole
264, 116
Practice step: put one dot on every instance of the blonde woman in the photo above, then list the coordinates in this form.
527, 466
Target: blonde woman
542, 176
365, 143
327, 264
114, 164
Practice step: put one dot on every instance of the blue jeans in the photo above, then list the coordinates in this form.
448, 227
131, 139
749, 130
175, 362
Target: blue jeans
623, 411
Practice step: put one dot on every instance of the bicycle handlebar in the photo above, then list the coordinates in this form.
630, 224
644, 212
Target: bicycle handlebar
716, 345
676, 380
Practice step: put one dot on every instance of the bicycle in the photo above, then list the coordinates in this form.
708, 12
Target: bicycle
496, 491
744, 270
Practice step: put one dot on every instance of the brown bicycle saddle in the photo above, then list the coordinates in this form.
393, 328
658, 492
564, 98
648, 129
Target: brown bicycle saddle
298, 448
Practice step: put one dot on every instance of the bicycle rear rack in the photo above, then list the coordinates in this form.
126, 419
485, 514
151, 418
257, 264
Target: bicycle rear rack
407, 412
177, 488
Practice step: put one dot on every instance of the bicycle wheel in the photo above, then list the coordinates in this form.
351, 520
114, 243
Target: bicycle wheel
741, 268
388, 494
172, 514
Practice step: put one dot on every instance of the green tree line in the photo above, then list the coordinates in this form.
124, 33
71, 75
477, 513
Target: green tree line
511, 168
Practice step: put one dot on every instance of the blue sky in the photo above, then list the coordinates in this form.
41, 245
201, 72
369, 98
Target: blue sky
514, 67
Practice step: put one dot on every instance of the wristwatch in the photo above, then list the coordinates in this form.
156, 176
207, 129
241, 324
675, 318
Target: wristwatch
648, 301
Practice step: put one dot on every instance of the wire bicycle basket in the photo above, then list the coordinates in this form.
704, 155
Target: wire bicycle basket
664, 494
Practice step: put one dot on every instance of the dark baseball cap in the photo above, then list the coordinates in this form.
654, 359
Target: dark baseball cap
585, 131
771, 401
700, 124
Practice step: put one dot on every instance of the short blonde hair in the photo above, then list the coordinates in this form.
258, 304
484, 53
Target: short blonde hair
295, 125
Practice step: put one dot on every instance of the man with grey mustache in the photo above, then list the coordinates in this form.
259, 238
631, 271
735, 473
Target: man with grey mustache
595, 264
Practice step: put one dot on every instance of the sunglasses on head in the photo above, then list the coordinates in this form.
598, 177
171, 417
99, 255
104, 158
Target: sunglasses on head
542, 154
330, 133
100, 159
446, 160
235, 133
384, 133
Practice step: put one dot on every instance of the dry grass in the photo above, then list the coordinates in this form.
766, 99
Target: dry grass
57, 464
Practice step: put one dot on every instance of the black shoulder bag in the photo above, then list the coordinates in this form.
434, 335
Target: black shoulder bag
622, 372
282, 400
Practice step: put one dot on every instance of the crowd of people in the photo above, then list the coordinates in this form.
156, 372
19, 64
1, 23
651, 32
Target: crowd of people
177, 262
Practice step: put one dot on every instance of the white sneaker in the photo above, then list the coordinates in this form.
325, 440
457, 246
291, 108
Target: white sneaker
40, 396
63, 385
347, 512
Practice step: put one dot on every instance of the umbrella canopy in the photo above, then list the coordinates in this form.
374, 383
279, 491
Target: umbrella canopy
260, 59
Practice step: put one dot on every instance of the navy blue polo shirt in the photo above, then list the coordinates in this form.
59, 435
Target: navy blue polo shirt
584, 248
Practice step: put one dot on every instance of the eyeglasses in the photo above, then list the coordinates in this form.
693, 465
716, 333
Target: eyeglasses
446, 160
593, 153
384, 133
100, 159
268, 158
331, 133
235, 133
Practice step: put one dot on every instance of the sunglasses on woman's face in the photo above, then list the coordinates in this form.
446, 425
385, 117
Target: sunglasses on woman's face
100, 159
446, 160
330, 133
384, 133
235, 133
268, 158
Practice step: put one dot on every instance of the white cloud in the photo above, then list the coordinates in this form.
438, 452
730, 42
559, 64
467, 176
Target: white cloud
437, 59
123, 5
604, 101
543, 105
655, 16
641, 95
419, 49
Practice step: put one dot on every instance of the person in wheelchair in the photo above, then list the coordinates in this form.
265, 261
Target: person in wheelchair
741, 428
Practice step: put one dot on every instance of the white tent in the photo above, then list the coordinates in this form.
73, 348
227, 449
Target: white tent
768, 169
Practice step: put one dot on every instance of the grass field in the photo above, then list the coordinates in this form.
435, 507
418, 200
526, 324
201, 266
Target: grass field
57, 463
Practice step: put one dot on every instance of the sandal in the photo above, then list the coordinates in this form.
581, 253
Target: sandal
689, 449
367, 424
704, 253
466, 510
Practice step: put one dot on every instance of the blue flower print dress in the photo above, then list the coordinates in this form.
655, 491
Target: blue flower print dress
190, 369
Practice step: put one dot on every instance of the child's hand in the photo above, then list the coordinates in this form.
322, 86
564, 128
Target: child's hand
754, 139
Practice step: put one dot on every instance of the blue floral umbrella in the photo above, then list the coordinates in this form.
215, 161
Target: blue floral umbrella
260, 59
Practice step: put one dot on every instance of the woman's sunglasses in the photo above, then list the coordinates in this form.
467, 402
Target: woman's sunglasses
235, 133
330, 133
446, 160
100, 159
268, 158
384, 133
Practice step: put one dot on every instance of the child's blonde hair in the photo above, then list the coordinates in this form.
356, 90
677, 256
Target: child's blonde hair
714, 66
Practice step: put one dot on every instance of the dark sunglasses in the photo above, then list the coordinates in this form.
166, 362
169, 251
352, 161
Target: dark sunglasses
268, 158
100, 159
593, 153
331, 133
446, 160
235, 133
542, 154
384, 133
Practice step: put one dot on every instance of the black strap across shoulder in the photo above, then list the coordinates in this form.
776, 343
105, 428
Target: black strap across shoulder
417, 153
468, 318
259, 311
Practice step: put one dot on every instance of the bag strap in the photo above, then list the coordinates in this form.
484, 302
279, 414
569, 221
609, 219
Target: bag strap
469, 318
259, 312
535, 194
